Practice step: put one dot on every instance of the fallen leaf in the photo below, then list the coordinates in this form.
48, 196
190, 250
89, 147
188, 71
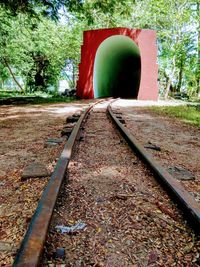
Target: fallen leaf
152, 257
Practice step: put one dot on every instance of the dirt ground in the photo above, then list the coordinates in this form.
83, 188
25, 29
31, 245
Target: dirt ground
179, 142
129, 219
23, 132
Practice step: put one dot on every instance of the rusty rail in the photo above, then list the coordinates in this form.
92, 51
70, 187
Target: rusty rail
32, 245
190, 207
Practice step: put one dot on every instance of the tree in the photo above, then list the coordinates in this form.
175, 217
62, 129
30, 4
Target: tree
4, 75
28, 38
6, 38
35, 53
47, 8
176, 23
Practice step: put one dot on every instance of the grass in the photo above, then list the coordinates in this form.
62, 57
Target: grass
6, 94
188, 114
14, 97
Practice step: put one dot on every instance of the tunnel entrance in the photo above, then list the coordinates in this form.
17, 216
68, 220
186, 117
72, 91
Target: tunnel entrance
117, 68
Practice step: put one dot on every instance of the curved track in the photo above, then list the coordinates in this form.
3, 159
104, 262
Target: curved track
32, 245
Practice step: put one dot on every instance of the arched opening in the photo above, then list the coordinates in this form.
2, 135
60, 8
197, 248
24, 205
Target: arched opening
117, 68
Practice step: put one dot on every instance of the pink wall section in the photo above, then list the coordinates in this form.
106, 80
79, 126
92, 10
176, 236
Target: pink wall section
149, 68
146, 41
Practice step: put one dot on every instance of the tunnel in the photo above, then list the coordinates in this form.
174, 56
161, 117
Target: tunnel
117, 68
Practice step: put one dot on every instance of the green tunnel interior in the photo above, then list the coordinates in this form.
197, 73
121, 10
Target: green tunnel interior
117, 68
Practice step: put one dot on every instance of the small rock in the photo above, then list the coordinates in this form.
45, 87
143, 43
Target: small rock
149, 145
122, 121
129, 242
180, 173
188, 248
163, 224
2, 173
78, 263
109, 172
91, 135
100, 200
60, 253
80, 137
35, 170
72, 119
152, 257
53, 142
120, 197
198, 261
137, 226
6, 246
66, 131
76, 115
68, 125
196, 195
50, 144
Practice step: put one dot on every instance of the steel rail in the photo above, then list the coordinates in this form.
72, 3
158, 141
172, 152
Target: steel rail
32, 245
190, 207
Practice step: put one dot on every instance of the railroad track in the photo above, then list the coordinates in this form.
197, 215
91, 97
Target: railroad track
105, 188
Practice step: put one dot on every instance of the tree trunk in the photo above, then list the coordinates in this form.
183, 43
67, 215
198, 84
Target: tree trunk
73, 74
169, 83
180, 77
167, 89
198, 49
13, 76
1, 84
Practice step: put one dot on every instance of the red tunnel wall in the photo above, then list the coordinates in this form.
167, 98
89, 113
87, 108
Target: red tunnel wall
146, 41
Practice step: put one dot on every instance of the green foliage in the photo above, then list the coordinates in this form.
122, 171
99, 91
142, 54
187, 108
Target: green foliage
4, 74
6, 94
177, 25
7, 97
188, 114
38, 49
44, 7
